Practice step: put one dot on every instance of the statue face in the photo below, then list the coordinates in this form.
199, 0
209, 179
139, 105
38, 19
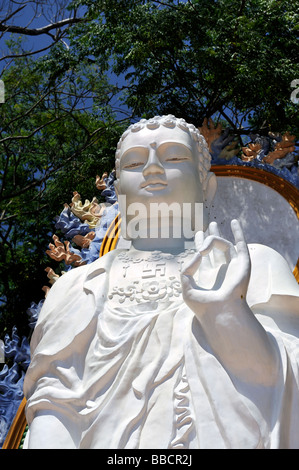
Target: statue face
159, 166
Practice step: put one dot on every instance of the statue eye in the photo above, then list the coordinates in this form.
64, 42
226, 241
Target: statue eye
134, 165
177, 159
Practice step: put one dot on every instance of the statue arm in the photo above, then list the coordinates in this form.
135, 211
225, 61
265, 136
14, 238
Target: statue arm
49, 431
236, 337
58, 345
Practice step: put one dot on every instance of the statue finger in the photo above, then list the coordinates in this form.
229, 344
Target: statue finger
218, 256
238, 233
225, 246
191, 267
244, 261
199, 241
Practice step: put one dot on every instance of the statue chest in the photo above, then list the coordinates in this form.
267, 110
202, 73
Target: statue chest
146, 277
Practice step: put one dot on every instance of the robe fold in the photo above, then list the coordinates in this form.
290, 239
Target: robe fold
142, 375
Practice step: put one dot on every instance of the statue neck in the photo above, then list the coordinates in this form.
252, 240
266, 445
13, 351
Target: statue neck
169, 245
162, 235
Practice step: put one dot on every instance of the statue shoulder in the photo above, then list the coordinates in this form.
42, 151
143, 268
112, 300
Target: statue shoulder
66, 283
270, 275
67, 310
70, 305
76, 278
73, 287
258, 251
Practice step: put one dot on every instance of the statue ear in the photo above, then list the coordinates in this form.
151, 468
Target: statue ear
210, 188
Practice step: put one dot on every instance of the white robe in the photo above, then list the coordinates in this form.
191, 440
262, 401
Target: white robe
143, 376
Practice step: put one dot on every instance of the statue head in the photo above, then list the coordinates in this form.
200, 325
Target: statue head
164, 160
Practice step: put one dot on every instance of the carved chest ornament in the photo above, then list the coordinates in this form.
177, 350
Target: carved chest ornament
153, 283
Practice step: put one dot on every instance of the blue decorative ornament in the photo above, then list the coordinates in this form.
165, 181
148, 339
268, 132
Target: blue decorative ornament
287, 167
12, 379
33, 313
109, 193
70, 225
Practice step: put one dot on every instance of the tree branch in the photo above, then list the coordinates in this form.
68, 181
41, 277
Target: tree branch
92, 138
39, 31
23, 137
242, 6
173, 7
13, 216
13, 14
25, 54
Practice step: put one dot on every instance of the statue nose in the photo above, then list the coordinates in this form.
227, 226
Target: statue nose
153, 164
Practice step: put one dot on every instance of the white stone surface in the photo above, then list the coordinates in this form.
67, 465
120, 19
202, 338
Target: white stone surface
265, 215
161, 347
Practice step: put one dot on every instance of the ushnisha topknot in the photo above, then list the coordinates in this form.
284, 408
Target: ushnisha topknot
170, 121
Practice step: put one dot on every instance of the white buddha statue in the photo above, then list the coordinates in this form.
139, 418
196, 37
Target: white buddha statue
184, 340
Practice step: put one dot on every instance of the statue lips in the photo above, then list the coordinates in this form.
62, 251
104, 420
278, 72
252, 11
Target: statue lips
153, 185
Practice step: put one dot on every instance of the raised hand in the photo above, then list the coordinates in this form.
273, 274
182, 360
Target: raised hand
218, 259
234, 334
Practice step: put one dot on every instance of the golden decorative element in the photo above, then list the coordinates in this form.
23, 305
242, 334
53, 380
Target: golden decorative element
52, 275
84, 241
210, 132
229, 151
17, 429
281, 149
250, 152
91, 212
111, 237
46, 290
100, 183
53, 278
296, 271
61, 252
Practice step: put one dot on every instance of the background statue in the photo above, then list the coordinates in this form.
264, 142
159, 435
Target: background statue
182, 340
